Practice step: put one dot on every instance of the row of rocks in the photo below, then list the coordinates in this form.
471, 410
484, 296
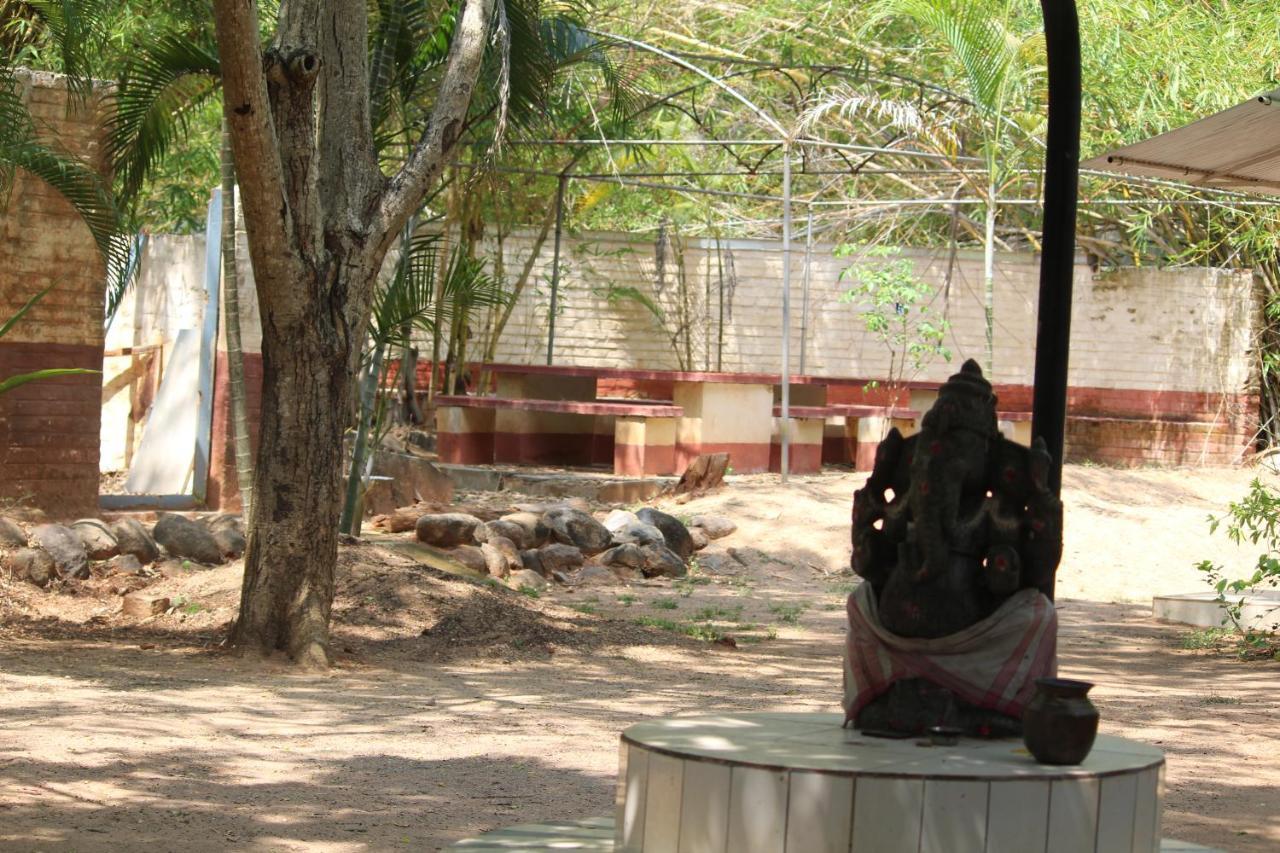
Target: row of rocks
529, 547
55, 551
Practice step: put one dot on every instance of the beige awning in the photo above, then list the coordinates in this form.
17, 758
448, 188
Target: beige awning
1236, 149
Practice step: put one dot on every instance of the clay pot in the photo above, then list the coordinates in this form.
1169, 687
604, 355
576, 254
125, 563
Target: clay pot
1060, 722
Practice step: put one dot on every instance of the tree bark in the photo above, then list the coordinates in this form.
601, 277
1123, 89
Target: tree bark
293, 534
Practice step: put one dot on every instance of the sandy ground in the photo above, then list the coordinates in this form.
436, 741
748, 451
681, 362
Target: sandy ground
115, 736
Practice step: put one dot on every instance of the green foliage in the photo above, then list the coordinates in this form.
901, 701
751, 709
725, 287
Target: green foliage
893, 304
1256, 520
664, 603
788, 613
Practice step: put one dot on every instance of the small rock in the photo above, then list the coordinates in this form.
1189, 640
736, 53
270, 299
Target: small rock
574, 527
448, 529
639, 534
628, 555
619, 519
31, 565
183, 538
594, 575
699, 537
501, 556
560, 577
557, 557
398, 520
661, 562
673, 531
471, 557
11, 535
124, 564
133, 538
223, 521
231, 542
142, 606
526, 579
535, 532
64, 546
715, 526
502, 529
531, 560
96, 538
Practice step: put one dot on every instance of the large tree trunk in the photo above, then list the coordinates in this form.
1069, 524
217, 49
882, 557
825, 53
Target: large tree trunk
293, 530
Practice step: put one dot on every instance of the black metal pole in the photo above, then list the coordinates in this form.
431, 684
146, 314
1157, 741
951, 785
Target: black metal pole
555, 268
1057, 260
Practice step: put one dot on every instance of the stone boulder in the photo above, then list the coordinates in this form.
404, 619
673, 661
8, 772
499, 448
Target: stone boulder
445, 530
593, 575
501, 556
535, 532
124, 564
96, 537
398, 520
11, 535
527, 579
673, 531
574, 527
472, 557
185, 539
661, 562
133, 538
715, 526
32, 565
628, 555
64, 546
619, 519
699, 537
557, 557
231, 542
502, 529
639, 533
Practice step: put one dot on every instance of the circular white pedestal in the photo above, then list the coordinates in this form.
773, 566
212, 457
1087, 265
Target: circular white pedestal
799, 783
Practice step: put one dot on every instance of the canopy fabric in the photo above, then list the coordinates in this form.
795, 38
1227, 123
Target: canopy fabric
1236, 149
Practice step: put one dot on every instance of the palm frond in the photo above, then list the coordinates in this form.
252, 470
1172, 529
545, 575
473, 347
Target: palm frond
161, 87
78, 28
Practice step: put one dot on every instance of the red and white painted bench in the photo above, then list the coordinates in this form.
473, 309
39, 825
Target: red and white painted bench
637, 436
720, 412
840, 434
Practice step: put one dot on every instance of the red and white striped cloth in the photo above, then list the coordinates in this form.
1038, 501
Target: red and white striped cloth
992, 664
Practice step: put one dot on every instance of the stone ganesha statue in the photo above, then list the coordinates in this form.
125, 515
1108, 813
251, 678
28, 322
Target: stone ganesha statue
958, 537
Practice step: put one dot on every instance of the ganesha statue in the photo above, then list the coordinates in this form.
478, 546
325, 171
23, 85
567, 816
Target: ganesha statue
957, 536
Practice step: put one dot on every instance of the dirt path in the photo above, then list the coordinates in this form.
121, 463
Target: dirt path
107, 745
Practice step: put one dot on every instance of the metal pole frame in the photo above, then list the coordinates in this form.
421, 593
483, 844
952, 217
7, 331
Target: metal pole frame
555, 269
784, 467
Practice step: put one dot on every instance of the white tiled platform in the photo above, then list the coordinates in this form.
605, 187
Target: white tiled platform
1261, 607
800, 783
596, 835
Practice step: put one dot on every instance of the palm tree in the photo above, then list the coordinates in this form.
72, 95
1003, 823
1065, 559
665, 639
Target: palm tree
997, 66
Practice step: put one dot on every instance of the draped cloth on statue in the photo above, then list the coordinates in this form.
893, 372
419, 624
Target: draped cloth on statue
992, 664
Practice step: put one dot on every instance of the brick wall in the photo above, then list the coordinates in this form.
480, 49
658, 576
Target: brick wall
49, 430
1150, 348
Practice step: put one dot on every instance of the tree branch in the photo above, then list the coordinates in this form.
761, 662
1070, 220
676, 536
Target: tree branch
405, 191
253, 141
349, 175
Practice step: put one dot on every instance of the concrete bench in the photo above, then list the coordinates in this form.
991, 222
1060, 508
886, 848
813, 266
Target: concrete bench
1015, 426
636, 437
838, 434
